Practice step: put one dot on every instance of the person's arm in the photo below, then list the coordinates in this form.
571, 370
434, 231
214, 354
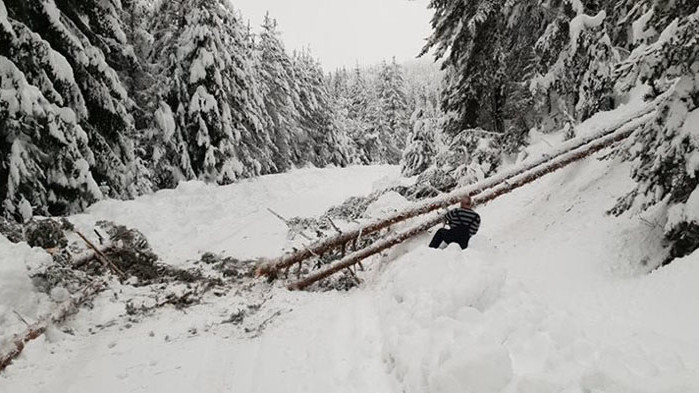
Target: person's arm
449, 218
475, 225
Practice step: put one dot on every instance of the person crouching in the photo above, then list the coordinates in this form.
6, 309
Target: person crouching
463, 223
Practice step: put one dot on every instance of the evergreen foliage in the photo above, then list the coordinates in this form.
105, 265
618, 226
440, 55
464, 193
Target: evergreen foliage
127, 98
50, 61
207, 84
666, 150
422, 143
374, 107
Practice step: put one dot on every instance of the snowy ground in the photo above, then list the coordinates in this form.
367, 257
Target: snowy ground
551, 297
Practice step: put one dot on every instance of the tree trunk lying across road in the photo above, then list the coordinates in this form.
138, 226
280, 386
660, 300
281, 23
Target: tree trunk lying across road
271, 267
502, 188
35, 331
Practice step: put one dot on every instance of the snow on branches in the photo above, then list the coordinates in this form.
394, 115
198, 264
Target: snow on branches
666, 150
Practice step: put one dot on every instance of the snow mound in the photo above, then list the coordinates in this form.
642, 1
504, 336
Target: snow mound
431, 302
17, 293
388, 203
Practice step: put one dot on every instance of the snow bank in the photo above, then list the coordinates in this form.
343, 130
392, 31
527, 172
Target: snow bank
571, 314
454, 321
17, 293
388, 203
431, 301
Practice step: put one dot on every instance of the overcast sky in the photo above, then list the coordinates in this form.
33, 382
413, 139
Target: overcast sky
344, 32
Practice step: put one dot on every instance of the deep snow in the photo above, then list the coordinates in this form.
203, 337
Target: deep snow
552, 296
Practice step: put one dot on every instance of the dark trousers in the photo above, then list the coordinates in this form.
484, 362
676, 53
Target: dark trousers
453, 235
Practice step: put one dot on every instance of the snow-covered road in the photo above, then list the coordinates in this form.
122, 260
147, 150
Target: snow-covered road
234, 220
549, 298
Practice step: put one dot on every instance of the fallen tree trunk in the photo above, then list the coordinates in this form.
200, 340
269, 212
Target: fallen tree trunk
78, 260
100, 256
271, 267
36, 330
483, 197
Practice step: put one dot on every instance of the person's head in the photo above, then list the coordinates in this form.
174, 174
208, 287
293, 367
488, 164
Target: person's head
466, 202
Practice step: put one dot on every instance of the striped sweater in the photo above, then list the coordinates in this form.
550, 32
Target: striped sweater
464, 218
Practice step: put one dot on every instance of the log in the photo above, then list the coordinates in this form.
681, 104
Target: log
270, 267
80, 259
36, 330
33, 333
483, 197
288, 224
100, 255
334, 226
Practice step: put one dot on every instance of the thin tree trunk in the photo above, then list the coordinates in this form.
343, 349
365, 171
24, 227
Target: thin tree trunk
36, 330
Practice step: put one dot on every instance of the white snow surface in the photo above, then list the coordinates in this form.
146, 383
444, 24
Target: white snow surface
196, 217
19, 299
551, 296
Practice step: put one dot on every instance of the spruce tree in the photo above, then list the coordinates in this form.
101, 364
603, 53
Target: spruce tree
392, 115
278, 88
55, 55
325, 144
421, 149
45, 161
207, 84
666, 149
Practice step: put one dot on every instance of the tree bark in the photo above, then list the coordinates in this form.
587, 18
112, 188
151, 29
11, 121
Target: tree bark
36, 330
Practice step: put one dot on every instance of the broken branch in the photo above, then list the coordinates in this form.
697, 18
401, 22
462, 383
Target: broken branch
101, 256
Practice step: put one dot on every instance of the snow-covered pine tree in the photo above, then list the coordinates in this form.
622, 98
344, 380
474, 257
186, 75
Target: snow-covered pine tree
93, 51
474, 39
579, 83
625, 19
164, 147
325, 145
55, 56
486, 47
358, 102
278, 88
44, 157
341, 98
339, 83
137, 74
360, 94
392, 115
100, 21
207, 84
666, 150
421, 148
